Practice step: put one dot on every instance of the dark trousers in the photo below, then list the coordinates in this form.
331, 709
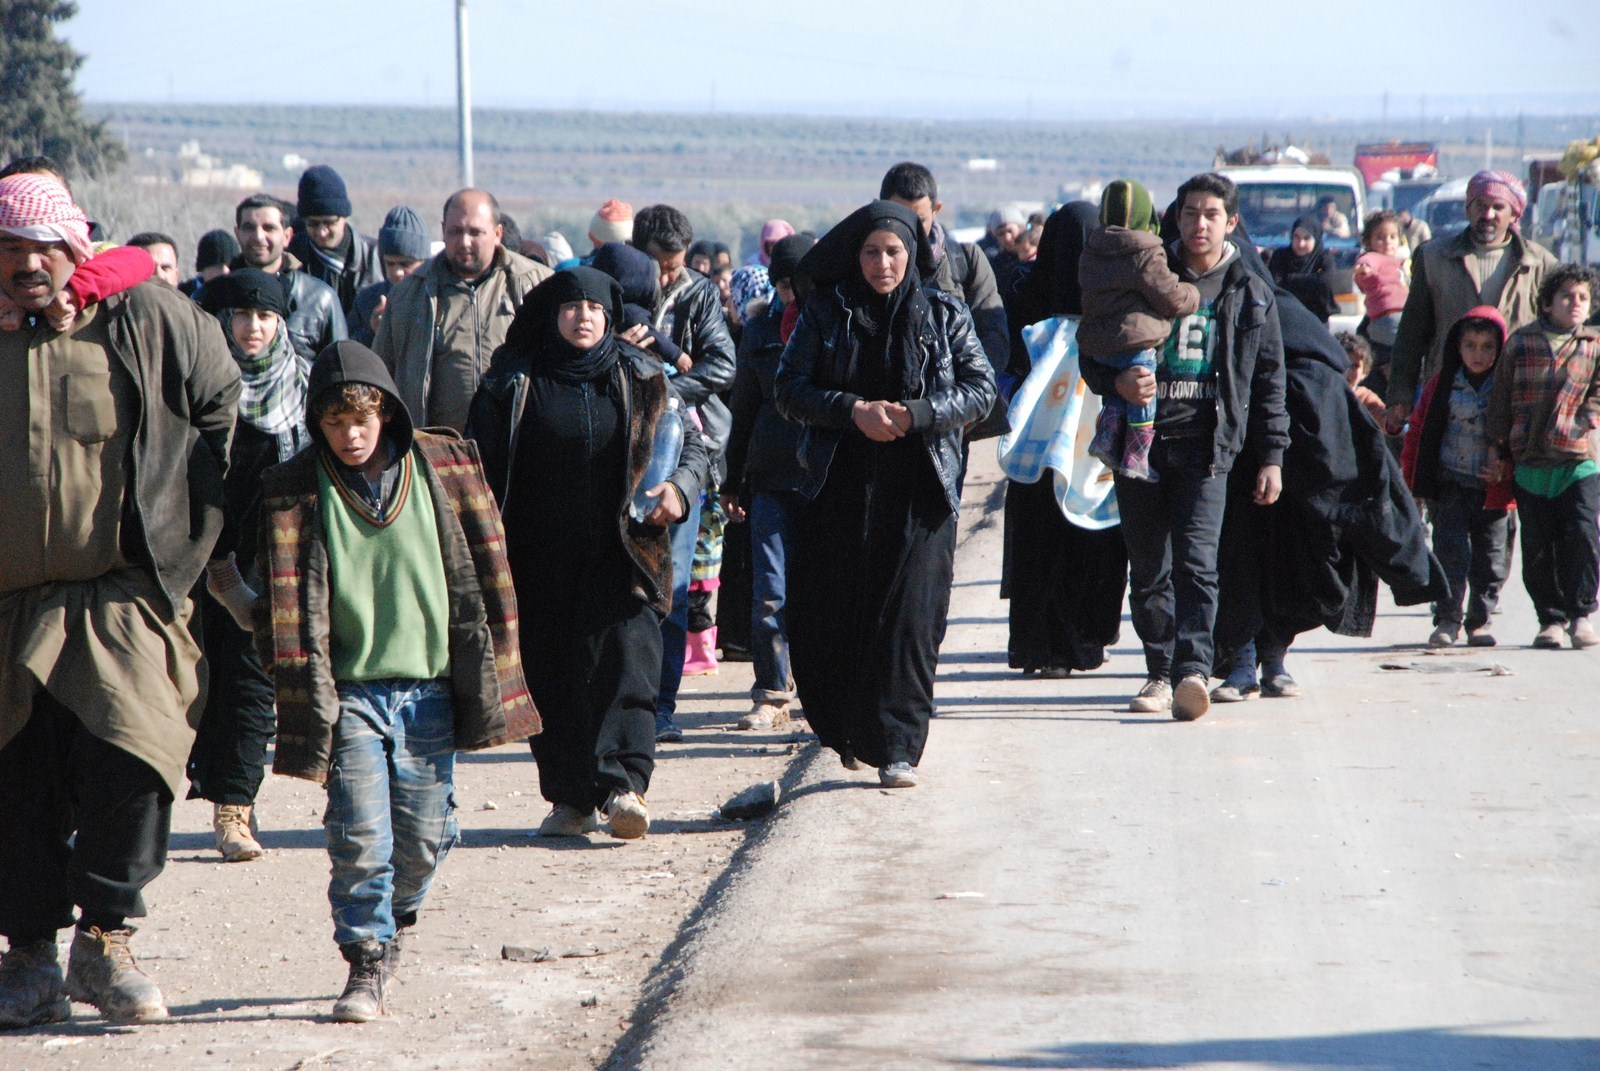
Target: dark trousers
57, 780
228, 759
1561, 551
593, 662
1172, 528
675, 626
1470, 543
733, 597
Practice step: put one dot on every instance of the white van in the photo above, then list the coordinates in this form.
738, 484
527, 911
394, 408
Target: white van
1273, 196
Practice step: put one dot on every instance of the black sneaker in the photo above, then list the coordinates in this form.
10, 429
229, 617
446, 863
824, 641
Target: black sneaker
667, 730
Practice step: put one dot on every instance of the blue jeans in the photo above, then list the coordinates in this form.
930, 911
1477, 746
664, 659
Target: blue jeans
1137, 414
391, 802
675, 626
769, 644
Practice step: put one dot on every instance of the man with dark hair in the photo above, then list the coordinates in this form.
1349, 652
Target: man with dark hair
163, 250
327, 246
36, 165
689, 311
962, 270
1219, 388
316, 319
115, 441
1489, 263
444, 321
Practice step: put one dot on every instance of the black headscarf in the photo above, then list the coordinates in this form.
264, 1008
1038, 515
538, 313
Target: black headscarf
881, 322
247, 288
1304, 336
534, 329
1286, 262
1051, 287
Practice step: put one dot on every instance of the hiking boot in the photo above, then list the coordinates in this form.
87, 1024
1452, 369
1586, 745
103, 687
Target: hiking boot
1105, 446
897, 775
235, 827
626, 815
32, 990
1583, 635
1549, 638
667, 730
1480, 637
1445, 635
395, 949
565, 820
1136, 452
1191, 699
1280, 686
1153, 698
768, 715
362, 999
101, 971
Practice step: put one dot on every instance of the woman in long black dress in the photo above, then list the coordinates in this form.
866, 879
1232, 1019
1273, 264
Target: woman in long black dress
883, 373
565, 421
1065, 583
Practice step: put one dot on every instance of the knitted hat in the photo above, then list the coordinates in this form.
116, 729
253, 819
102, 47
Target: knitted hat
1498, 184
1007, 214
322, 193
248, 288
216, 249
1126, 203
786, 256
613, 223
403, 234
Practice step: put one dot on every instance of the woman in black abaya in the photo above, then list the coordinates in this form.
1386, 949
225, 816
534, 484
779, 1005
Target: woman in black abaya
883, 374
1065, 583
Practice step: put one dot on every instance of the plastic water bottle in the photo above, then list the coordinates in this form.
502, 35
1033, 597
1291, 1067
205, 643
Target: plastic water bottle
663, 459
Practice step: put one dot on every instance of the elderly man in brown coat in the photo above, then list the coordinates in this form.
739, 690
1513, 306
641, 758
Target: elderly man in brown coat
113, 443
1489, 263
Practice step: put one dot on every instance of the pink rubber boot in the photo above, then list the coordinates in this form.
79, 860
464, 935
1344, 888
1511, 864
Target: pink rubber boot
700, 653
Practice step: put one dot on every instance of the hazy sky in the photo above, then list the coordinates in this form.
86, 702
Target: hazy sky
922, 58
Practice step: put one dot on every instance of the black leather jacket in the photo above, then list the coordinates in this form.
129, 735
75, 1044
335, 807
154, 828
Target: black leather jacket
364, 267
814, 387
316, 320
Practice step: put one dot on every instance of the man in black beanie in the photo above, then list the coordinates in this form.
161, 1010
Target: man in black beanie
325, 243
212, 256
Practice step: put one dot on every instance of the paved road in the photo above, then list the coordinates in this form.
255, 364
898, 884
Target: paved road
1398, 871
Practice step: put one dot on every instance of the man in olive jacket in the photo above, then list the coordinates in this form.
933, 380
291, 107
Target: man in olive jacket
445, 320
113, 445
1489, 263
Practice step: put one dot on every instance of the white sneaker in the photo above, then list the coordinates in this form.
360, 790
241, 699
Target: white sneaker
627, 815
897, 775
1153, 698
1191, 699
565, 820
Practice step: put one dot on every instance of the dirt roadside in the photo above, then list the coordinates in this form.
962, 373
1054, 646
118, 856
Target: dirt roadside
245, 956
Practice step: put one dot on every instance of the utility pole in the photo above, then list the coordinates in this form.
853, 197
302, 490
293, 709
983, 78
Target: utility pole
463, 94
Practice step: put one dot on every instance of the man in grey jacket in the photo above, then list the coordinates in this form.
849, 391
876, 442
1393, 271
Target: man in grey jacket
443, 322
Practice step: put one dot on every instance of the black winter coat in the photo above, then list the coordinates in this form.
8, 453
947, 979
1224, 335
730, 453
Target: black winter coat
763, 451
497, 416
815, 384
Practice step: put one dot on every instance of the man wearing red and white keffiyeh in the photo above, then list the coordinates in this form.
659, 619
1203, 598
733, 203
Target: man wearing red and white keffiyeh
115, 416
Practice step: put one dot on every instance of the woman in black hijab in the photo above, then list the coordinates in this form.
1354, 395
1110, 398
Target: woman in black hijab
566, 420
883, 374
1065, 584
1302, 268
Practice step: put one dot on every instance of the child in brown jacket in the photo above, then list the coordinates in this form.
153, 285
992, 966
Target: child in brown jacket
1130, 297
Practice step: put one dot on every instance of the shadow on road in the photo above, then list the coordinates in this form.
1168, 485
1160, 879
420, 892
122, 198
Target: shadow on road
1398, 1050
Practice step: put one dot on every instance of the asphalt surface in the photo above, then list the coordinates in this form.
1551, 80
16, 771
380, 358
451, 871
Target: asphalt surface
1396, 871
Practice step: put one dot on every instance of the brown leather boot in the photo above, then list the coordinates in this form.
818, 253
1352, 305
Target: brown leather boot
101, 971
32, 990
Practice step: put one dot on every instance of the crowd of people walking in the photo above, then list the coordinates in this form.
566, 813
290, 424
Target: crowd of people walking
364, 503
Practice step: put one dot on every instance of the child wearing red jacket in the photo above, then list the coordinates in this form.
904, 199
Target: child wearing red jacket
1447, 464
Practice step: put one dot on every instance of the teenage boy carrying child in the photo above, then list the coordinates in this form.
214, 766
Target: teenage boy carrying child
1130, 297
1447, 465
392, 639
1542, 417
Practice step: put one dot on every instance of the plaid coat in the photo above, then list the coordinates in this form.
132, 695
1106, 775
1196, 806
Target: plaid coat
1546, 405
492, 705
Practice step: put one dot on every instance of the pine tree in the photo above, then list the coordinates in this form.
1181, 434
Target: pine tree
39, 110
